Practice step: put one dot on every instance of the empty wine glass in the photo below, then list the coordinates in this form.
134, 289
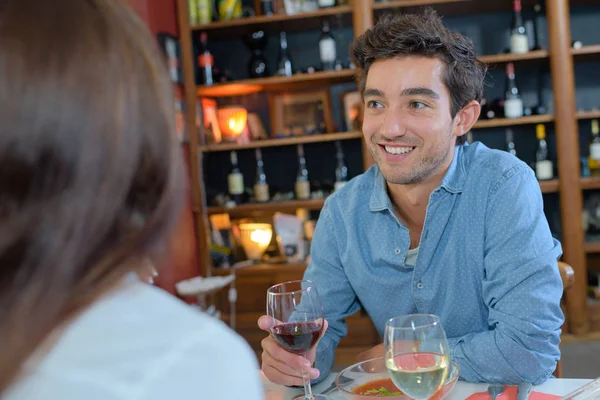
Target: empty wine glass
297, 320
416, 354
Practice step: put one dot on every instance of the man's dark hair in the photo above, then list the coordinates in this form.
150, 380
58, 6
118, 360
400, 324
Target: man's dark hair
423, 35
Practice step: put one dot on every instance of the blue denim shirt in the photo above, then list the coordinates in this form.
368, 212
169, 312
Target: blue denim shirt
487, 266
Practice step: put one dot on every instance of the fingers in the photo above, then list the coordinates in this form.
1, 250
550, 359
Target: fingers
268, 359
277, 377
294, 361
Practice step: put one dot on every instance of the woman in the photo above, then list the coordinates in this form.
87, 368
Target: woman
90, 185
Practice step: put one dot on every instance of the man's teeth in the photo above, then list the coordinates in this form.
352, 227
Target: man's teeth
398, 150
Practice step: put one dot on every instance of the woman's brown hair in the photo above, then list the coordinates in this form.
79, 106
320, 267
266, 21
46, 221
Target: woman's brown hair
90, 172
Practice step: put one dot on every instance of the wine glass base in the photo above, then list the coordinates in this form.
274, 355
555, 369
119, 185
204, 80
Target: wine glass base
315, 397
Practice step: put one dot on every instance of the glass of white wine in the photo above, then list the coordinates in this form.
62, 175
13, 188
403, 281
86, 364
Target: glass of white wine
416, 354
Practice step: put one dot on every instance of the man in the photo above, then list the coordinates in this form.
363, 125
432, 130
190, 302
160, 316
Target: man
437, 226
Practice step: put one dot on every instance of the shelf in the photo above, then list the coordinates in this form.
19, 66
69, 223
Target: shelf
273, 206
260, 268
509, 57
592, 247
588, 114
325, 137
587, 52
589, 182
411, 3
550, 186
274, 23
248, 86
499, 122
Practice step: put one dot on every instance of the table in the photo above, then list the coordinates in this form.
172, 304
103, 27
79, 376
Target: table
461, 391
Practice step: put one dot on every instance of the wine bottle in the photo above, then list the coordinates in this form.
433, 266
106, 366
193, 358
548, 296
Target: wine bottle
543, 166
594, 158
341, 170
302, 182
326, 3
205, 62
235, 180
261, 187
519, 42
327, 49
540, 108
510, 143
513, 104
538, 33
267, 7
284, 64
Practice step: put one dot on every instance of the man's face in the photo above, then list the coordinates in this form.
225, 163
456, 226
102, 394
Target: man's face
407, 123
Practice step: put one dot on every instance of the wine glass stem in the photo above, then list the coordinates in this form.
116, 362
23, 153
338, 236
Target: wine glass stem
307, 389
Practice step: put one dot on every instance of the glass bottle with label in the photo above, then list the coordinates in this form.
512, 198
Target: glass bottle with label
513, 104
327, 49
543, 166
341, 170
284, 64
205, 62
302, 182
510, 143
519, 41
235, 180
261, 187
594, 158
326, 3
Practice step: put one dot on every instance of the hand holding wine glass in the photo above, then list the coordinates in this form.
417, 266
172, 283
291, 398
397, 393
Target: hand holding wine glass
296, 321
416, 354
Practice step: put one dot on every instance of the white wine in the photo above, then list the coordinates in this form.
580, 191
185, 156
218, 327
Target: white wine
419, 375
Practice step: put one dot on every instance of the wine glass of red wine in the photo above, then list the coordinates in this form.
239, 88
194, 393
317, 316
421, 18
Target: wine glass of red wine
297, 319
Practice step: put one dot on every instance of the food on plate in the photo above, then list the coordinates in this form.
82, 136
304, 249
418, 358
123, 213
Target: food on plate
378, 388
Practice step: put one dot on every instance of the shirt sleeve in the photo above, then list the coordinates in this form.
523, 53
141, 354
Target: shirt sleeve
338, 298
522, 289
221, 366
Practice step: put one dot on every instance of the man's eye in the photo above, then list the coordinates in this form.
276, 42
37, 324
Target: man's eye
374, 104
417, 104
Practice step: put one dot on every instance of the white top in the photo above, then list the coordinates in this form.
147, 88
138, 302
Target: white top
141, 343
411, 257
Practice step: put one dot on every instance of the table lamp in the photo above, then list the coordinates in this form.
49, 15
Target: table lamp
232, 121
255, 239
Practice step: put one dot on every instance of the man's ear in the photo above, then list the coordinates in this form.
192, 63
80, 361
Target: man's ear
466, 118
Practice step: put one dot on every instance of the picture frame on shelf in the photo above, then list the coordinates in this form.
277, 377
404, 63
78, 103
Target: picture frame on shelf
256, 127
212, 132
353, 110
300, 113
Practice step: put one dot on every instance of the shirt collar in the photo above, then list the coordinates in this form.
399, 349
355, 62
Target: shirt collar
453, 181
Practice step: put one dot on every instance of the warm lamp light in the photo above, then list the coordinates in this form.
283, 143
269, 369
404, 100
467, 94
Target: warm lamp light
255, 239
232, 121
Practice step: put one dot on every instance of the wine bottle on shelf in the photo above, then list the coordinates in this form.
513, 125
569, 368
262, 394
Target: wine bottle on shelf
513, 104
302, 182
267, 7
543, 166
327, 48
538, 32
510, 142
205, 62
341, 170
326, 3
594, 158
261, 187
519, 42
284, 64
540, 108
235, 180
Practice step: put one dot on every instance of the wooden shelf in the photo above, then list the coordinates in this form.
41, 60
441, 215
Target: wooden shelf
270, 207
499, 122
260, 268
411, 3
326, 137
264, 19
592, 247
248, 86
550, 186
587, 52
589, 182
509, 57
588, 114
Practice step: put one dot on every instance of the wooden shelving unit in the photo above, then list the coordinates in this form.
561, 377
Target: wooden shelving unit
262, 268
270, 207
592, 247
500, 122
361, 14
326, 137
588, 114
297, 81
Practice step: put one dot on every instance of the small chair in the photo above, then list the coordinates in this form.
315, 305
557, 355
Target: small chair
567, 274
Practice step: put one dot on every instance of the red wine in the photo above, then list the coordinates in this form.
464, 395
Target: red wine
297, 337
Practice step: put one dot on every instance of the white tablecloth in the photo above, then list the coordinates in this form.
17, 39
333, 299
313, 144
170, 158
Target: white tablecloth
461, 391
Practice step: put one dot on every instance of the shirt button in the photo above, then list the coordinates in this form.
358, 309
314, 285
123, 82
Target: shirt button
397, 251
420, 285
